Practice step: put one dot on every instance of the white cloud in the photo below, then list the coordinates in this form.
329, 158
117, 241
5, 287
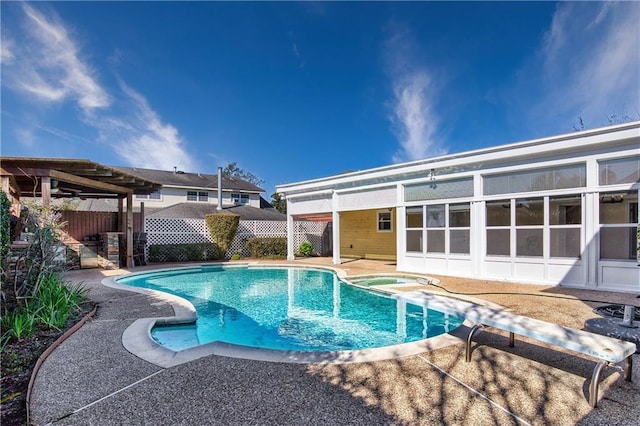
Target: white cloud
145, 140
413, 116
588, 66
47, 65
6, 50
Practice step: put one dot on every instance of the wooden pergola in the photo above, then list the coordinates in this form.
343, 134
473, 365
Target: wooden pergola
48, 178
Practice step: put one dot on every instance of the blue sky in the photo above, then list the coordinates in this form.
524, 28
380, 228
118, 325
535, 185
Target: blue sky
294, 91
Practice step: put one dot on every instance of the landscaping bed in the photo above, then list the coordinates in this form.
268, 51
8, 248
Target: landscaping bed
17, 362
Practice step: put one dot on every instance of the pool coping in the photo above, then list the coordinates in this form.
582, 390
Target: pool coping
137, 337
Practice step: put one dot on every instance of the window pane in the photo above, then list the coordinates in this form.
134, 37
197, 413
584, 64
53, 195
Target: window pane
619, 207
529, 242
155, 195
414, 241
414, 217
203, 196
438, 190
384, 221
498, 242
622, 170
435, 241
530, 211
561, 177
459, 215
459, 241
435, 216
618, 243
499, 213
192, 196
565, 242
565, 210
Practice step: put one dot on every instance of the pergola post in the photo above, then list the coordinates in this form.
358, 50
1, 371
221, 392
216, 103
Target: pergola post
129, 235
45, 184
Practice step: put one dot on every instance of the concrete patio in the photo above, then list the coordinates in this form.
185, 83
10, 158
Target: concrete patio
92, 379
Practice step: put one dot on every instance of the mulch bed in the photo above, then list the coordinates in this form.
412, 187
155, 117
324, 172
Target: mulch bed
17, 362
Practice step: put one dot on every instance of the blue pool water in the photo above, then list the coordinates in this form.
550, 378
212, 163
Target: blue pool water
286, 309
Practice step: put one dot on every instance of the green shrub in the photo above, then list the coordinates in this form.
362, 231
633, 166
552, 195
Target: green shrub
5, 224
17, 324
222, 228
275, 247
305, 249
54, 303
194, 252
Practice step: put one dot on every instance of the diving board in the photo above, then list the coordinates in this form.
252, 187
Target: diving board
607, 349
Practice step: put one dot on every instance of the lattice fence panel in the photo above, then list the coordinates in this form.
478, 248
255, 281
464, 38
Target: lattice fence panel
185, 231
256, 229
308, 231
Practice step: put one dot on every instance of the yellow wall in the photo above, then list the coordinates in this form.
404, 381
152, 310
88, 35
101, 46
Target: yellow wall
359, 236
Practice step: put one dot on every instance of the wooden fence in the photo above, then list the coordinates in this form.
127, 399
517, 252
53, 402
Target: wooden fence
81, 224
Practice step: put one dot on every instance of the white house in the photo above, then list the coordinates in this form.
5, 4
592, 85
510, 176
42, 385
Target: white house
558, 210
181, 187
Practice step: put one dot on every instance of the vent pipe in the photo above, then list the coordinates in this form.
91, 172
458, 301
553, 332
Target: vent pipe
219, 188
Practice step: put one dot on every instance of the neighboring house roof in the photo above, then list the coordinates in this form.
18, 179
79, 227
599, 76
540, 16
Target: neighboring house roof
198, 211
102, 205
190, 180
194, 210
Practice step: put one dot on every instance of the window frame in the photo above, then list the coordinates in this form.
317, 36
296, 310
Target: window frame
380, 221
240, 199
198, 196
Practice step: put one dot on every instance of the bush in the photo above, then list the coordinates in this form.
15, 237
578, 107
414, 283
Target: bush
305, 249
275, 247
184, 252
52, 306
54, 302
222, 228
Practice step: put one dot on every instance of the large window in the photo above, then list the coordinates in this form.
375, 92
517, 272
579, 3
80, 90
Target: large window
414, 229
565, 223
498, 214
618, 225
446, 228
439, 190
459, 228
240, 199
529, 227
155, 195
201, 196
526, 219
620, 170
560, 177
435, 228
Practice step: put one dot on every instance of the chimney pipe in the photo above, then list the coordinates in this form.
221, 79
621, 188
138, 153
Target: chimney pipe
219, 188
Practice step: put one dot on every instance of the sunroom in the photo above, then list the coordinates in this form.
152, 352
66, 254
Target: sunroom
559, 210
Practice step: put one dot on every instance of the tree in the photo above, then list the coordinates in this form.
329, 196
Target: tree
612, 119
232, 170
278, 202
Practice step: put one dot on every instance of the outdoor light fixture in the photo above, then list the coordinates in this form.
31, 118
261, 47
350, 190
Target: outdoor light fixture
54, 187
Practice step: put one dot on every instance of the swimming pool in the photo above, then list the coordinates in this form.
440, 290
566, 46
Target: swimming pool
285, 308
